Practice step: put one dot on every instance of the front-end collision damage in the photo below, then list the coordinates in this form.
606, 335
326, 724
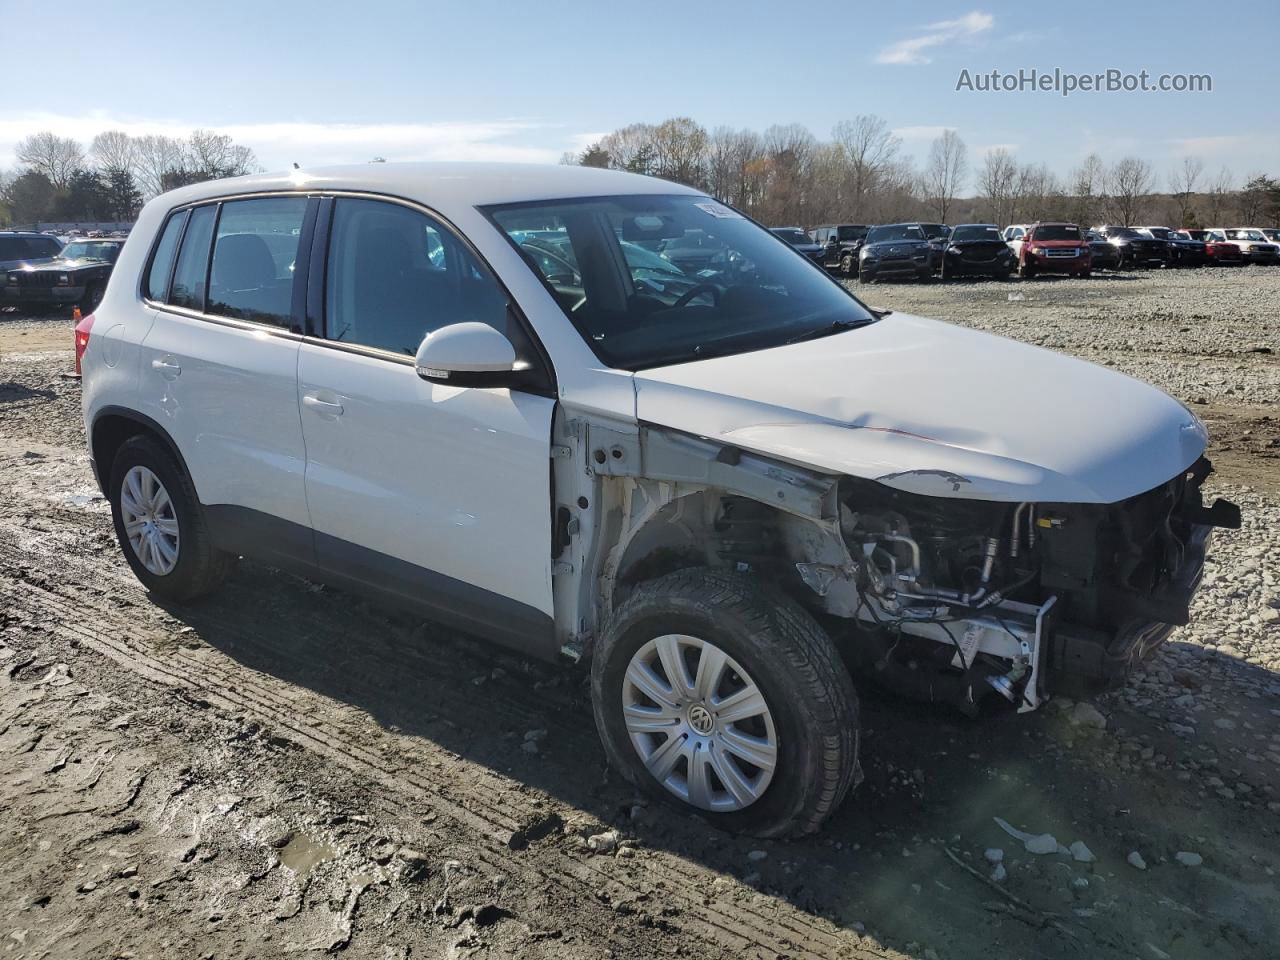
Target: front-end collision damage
935, 593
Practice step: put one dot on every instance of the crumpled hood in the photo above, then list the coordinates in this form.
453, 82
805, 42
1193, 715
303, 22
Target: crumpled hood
932, 408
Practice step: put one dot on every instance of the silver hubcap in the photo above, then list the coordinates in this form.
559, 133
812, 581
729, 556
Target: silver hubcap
149, 520
699, 723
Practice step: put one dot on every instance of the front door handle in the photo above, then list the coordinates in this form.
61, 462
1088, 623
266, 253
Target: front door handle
324, 407
166, 367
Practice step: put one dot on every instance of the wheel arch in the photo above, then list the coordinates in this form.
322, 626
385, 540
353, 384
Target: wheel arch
112, 428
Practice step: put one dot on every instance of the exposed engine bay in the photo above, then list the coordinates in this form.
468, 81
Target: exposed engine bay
957, 599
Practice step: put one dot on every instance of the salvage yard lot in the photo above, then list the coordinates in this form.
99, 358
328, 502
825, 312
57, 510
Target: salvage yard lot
284, 769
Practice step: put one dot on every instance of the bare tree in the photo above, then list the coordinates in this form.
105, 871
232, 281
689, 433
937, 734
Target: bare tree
996, 181
1087, 189
1182, 184
1128, 187
631, 147
217, 155
679, 146
155, 157
114, 150
1217, 195
946, 170
869, 148
58, 158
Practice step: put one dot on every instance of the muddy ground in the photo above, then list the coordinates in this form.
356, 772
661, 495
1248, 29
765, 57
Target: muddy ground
284, 770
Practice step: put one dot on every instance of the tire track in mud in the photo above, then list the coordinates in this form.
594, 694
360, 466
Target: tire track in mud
67, 587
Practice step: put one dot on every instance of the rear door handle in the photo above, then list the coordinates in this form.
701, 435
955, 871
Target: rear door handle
166, 367
323, 407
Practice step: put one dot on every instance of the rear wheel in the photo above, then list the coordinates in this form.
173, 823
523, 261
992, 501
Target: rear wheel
724, 699
160, 523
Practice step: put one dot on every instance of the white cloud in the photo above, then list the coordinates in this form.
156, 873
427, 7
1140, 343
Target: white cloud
912, 50
982, 151
279, 144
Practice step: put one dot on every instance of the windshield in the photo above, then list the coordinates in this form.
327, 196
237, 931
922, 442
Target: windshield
88, 250
897, 231
1160, 233
655, 280
851, 233
1246, 235
791, 235
1058, 231
974, 233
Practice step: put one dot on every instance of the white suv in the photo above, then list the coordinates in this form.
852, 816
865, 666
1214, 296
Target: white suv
505, 398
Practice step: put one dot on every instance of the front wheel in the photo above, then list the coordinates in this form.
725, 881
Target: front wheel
724, 699
846, 265
1026, 271
92, 297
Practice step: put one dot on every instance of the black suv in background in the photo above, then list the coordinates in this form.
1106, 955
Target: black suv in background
976, 250
801, 241
1135, 249
840, 245
1183, 251
896, 250
17, 248
76, 276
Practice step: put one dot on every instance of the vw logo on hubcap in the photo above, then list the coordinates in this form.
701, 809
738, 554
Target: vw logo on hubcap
700, 719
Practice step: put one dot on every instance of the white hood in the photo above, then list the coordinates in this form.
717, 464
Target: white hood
937, 409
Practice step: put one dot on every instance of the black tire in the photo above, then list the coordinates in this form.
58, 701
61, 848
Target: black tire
1004, 275
92, 297
200, 566
792, 661
865, 277
847, 265
1026, 271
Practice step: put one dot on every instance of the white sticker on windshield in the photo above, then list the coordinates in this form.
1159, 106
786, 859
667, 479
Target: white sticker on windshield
718, 210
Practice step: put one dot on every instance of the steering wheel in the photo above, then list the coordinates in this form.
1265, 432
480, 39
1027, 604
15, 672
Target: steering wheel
698, 290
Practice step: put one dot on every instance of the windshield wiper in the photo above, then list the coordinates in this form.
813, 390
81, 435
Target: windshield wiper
839, 326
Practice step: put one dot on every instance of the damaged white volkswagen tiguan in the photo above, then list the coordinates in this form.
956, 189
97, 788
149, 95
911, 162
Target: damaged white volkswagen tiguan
592, 415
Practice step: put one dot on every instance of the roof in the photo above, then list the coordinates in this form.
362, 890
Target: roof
24, 233
443, 184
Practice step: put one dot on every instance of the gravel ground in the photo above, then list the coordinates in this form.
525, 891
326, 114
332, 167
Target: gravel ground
282, 770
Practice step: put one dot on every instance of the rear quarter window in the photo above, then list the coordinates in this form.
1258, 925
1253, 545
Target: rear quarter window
157, 284
191, 276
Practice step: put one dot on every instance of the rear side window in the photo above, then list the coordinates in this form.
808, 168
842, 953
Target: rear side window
162, 259
253, 259
394, 275
190, 277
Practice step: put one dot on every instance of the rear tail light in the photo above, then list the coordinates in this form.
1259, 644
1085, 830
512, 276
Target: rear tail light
82, 338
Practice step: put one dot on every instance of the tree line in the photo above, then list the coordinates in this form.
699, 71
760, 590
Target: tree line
786, 175
57, 179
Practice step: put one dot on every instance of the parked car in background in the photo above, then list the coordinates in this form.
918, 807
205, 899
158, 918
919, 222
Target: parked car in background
1218, 251
801, 241
1181, 251
1014, 235
718, 497
1135, 249
841, 243
936, 234
78, 276
976, 249
1053, 248
1253, 243
1103, 254
1272, 234
17, 248
896, 250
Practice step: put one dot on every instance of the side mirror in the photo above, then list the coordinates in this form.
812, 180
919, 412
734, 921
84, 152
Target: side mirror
468, 355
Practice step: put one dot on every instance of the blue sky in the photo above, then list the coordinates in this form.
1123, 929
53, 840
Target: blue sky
326, 82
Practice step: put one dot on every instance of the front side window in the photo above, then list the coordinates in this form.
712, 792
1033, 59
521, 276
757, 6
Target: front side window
162, 259
670, 279
189, 279
253, 258
395, 275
